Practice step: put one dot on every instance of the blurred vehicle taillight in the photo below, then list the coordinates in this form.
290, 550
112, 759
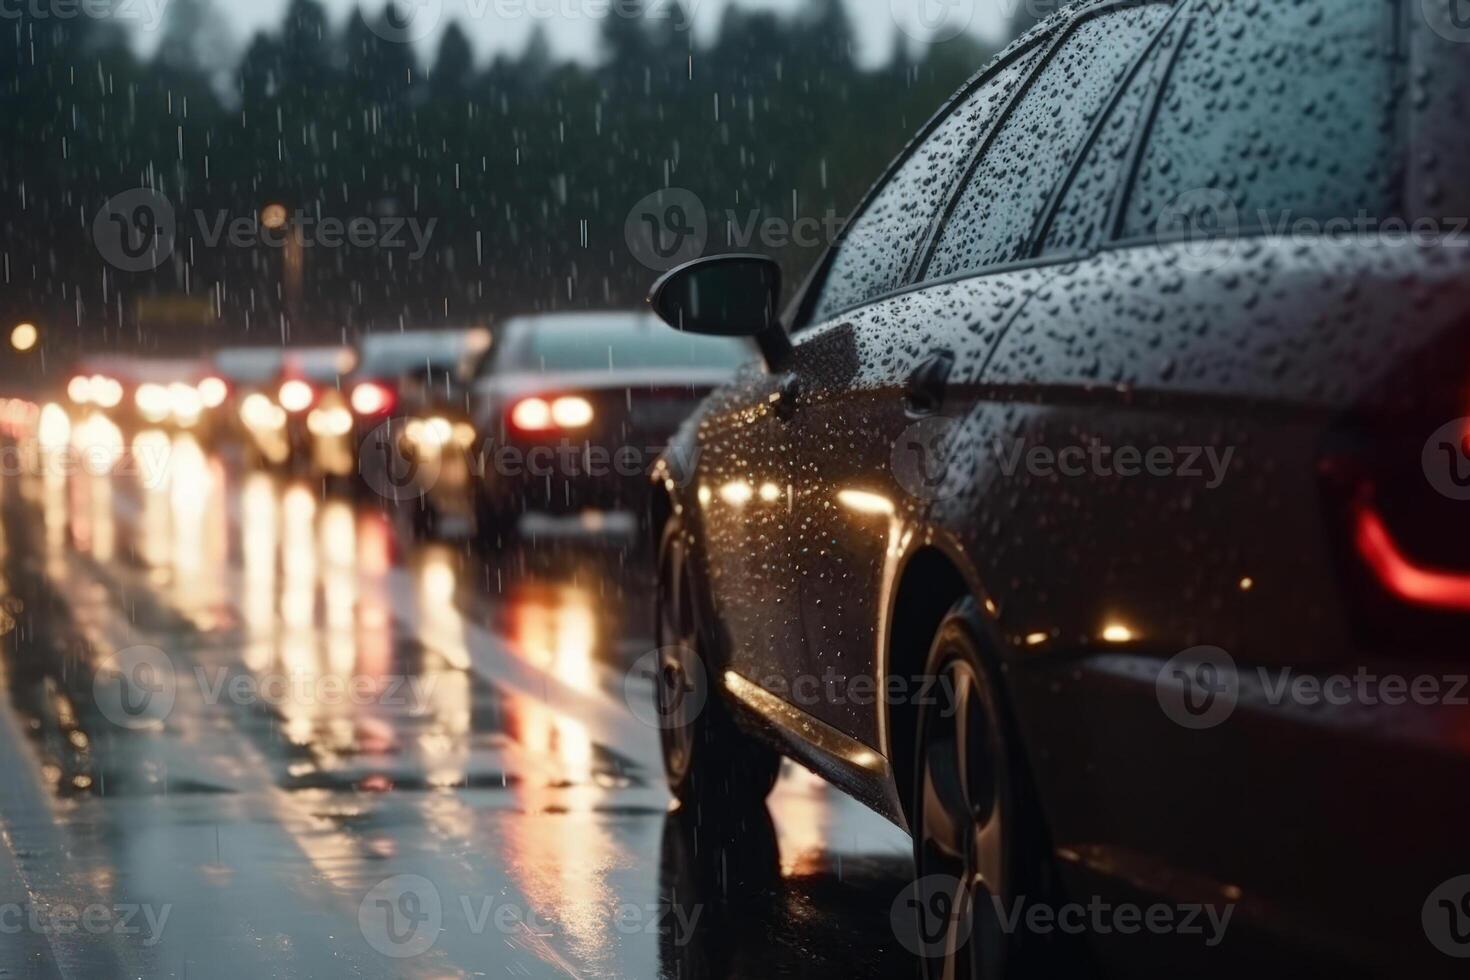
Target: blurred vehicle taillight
106, 392
372, 398
1396, 477
260, 414
541, 415
213, 392
1402, 576
329, 421
152, 402
295, 395
96, 389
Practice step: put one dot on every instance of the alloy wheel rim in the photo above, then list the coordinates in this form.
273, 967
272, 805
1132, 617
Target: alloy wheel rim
962, 828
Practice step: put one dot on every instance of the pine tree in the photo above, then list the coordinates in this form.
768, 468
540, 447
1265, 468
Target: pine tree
454, 65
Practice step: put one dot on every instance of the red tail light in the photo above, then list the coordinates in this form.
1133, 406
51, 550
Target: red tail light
1401, 575
372, 398
1395, 481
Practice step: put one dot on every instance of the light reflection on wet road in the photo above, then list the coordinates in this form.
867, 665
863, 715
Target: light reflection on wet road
357, 749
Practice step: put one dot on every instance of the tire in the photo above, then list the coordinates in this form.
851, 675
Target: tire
978, 833
712, 767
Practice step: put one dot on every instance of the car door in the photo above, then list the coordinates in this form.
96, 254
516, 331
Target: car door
745, 474
879, 385
751, 473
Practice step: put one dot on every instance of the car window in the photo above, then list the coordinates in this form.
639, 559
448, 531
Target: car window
1273, 111
1087, 199
876, 252
1039, 141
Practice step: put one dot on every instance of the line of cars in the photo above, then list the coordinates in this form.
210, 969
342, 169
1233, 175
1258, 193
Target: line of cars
553, 415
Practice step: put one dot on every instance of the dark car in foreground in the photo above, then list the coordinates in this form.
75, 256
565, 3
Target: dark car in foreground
572, 410
1099, 512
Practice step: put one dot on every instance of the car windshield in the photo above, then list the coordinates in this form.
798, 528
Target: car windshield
616, 345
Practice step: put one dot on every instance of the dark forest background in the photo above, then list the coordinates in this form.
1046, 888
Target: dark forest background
530, 166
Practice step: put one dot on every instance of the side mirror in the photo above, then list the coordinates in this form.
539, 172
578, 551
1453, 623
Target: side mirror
726, 296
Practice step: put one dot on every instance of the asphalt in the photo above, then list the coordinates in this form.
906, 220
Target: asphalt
249, 730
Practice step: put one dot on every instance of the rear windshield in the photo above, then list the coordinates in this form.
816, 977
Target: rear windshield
641, 344
318, 363
388, 355
246, 364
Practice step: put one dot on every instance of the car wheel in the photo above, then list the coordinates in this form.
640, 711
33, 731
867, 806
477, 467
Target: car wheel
978, 843
710, 764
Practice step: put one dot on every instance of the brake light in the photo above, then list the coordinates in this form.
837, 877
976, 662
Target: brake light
371, 398
531, 415
106, 392
571, 412
213, 392
1399, 574
296, 395
541, 415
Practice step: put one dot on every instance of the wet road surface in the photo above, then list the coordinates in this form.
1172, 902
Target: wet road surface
251, 731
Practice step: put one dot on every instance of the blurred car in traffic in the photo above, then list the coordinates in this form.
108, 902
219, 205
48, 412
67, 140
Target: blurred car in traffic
570, 411
283, 416
369, 398
1097, 493
433, 445
138, 392
245, 371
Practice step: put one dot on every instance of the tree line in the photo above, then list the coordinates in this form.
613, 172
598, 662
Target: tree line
520, 173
